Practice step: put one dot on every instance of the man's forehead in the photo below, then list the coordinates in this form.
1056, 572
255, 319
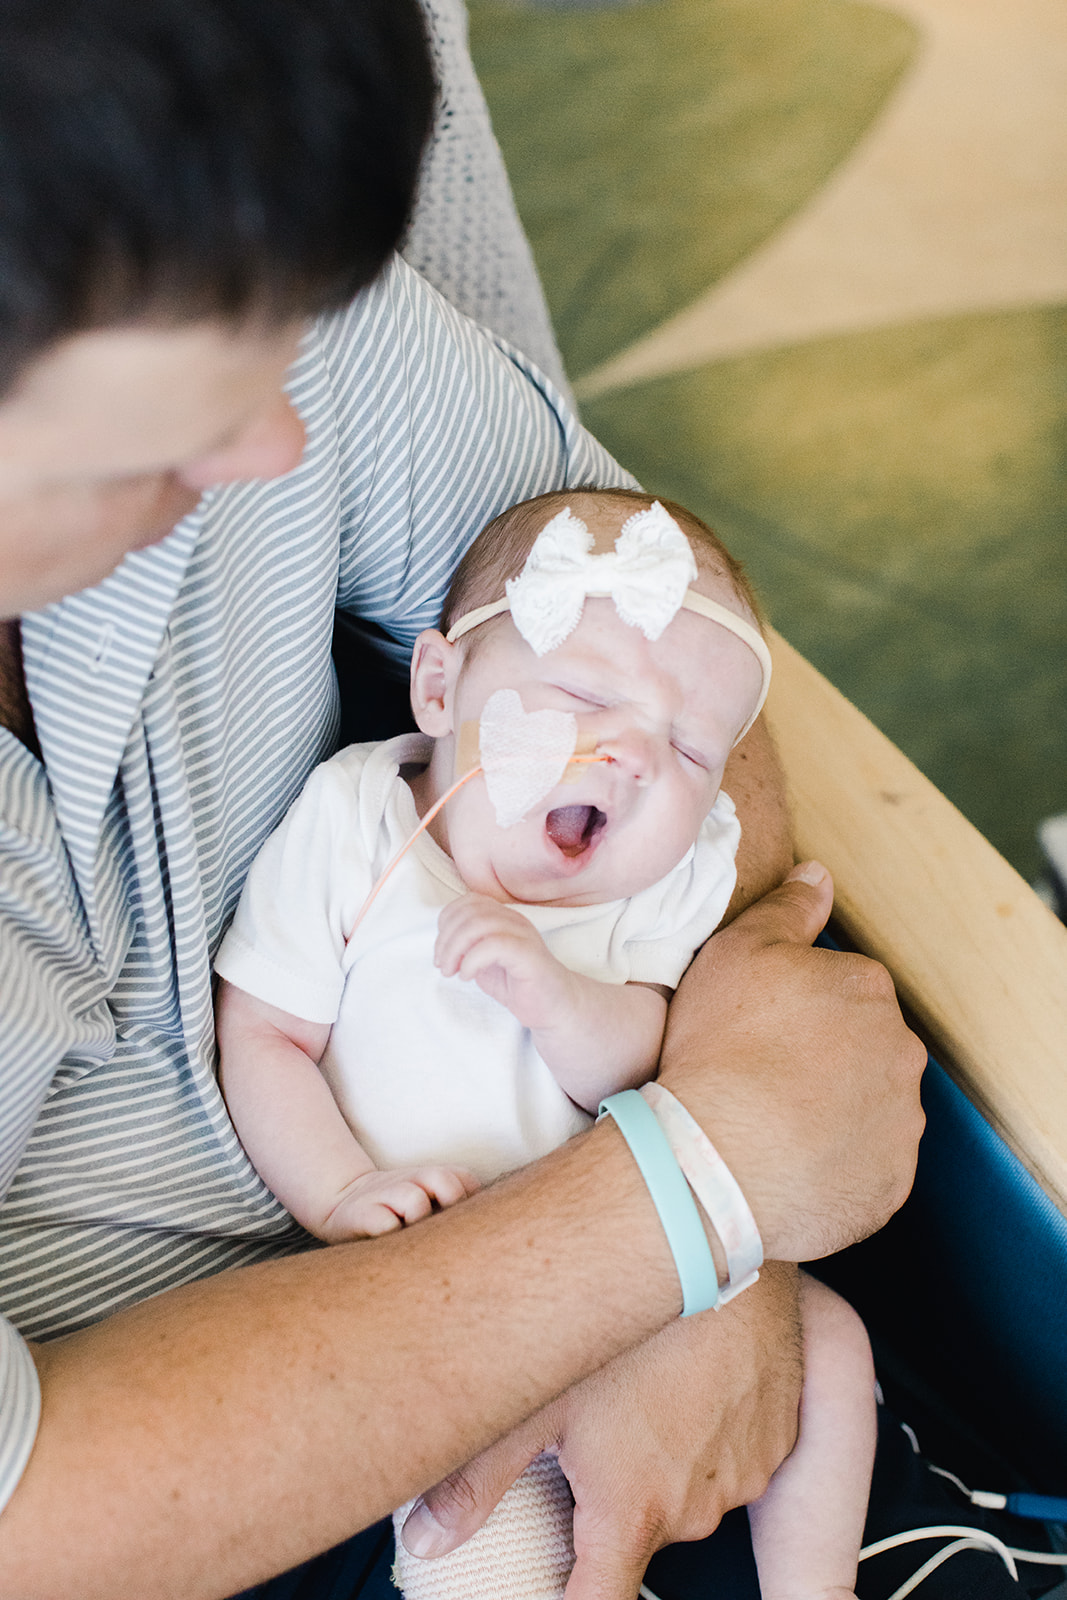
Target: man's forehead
126, 400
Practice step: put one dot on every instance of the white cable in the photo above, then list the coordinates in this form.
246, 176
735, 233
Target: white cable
976, 1539
943, 1472
985, 1541
993, 1502
932, 1565
947, 1530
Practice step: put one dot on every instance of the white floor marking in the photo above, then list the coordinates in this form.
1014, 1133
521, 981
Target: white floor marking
954, 201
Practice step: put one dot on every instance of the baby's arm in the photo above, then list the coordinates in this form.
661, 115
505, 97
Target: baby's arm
808, 1527
595, 1038
296, 1137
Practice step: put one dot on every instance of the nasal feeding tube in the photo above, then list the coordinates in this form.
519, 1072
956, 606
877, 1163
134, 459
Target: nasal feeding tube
522, 756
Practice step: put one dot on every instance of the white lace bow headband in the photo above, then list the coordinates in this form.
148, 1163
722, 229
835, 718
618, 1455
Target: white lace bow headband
647, 575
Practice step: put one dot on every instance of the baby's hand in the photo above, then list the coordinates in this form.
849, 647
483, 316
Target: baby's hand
506, 956
377, 1202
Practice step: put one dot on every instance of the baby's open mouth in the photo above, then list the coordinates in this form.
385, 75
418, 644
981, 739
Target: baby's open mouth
572, 829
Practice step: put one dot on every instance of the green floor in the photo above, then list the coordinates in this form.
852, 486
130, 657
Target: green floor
899, 494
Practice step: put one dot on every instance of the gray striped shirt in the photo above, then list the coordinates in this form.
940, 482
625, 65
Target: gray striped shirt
180, 705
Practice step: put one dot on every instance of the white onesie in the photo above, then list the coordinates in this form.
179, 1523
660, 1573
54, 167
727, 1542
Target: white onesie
428, 1069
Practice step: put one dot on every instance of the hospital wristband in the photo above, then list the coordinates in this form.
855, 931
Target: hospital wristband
671, 1196
714, 1186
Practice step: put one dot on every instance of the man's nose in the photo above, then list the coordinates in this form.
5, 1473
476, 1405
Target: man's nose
270, 445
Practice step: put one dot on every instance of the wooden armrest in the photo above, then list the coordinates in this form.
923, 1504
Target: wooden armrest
979, 962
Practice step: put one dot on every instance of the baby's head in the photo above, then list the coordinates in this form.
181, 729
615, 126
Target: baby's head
651, 687
499, 552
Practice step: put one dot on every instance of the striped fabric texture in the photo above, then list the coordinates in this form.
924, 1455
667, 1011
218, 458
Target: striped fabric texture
180, 705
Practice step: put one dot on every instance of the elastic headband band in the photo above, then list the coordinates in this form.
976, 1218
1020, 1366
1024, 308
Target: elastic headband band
691, 601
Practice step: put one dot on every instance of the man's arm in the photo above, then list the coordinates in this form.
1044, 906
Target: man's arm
755, 782
657, 1445
231, 1428
225, 1431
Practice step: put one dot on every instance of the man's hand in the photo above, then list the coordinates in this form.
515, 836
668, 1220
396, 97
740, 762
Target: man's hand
799, 1066
657, 1446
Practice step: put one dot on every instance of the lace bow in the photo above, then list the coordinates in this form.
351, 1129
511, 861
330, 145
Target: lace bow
646, 575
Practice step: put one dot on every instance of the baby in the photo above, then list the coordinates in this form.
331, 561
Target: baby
459, 942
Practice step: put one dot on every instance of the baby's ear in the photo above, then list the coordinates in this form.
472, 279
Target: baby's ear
434, 665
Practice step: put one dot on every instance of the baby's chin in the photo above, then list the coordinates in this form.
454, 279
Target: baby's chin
576, 867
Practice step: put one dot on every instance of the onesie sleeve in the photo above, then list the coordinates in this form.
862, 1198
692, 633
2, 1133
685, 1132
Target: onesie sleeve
661, 929
303, 892
20, 1408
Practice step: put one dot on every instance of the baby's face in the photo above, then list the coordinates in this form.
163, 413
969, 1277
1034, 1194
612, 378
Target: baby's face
666, 714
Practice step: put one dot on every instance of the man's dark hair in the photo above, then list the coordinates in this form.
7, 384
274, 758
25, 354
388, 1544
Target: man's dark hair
178, 159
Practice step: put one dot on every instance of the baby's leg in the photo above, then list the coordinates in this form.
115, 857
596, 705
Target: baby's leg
525, 1551
808, 1527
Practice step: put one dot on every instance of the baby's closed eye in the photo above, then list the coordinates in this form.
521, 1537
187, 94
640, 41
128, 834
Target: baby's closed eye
688, 753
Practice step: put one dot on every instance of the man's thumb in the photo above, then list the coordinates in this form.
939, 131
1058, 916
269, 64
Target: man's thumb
454, 1509
795, 912
811, 872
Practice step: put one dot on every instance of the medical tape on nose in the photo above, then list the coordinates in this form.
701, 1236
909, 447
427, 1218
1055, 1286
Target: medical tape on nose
523, 755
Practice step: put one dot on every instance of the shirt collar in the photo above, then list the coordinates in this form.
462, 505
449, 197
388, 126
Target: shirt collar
88, 659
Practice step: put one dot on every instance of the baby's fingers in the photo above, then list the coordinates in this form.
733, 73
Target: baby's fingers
465, 922
456, 942
494, 950
413, 1196
447, 1185
359, 1218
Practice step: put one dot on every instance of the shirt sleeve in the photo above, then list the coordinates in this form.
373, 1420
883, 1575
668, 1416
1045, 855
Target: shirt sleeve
662, 928
20, 1408
439, 426
302, 894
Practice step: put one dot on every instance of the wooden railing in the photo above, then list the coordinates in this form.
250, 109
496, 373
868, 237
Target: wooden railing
979, 962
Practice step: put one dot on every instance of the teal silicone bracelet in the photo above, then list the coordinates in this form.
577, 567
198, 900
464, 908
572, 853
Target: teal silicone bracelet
672, 1198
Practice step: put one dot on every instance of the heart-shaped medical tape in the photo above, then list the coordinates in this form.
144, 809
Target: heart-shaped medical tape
523, 754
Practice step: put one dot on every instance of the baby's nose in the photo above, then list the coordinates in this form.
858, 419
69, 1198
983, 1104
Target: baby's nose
636, 750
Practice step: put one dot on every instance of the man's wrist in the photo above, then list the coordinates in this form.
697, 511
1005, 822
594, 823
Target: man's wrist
671, 1195
722, 1202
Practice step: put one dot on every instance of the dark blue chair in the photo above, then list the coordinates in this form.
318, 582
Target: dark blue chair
965, 1296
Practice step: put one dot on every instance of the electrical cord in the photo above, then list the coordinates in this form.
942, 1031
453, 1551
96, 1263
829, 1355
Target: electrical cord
961, 1537
965, 1539
1032, 1507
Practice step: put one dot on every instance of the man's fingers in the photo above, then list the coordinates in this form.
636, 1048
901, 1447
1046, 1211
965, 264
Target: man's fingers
453, 1509
605, 1568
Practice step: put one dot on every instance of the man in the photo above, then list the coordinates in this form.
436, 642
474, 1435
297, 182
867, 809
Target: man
183, 182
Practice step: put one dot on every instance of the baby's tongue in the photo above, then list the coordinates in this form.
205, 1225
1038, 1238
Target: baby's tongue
568, 828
